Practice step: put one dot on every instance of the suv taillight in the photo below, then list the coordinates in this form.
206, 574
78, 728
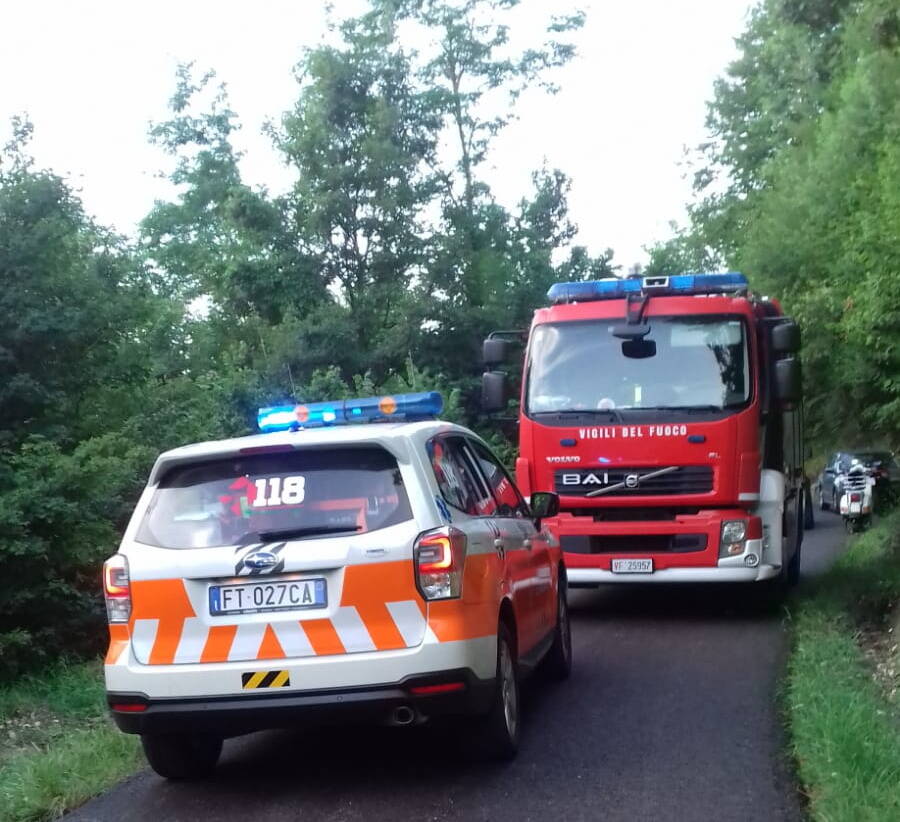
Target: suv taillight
440, 559
117, 588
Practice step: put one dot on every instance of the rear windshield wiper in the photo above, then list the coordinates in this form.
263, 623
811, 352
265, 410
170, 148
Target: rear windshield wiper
297, 533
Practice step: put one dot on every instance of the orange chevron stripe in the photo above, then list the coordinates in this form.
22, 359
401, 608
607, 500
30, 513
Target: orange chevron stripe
218, 643
322, 636
369, 587
270, 647
118, 642
167, 601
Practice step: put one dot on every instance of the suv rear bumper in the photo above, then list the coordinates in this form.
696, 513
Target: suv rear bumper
234, 715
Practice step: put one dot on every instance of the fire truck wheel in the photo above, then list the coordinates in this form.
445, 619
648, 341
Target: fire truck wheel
558, 662
498, 731
182, 756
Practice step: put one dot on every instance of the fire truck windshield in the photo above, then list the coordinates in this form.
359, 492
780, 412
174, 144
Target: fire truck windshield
699, 362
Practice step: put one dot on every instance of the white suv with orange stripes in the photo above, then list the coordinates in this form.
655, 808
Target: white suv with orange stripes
388, 569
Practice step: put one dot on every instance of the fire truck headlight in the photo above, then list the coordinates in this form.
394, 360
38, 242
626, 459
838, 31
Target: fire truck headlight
734, 535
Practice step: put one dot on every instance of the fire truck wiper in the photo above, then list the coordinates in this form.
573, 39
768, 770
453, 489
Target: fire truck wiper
688, 409
582, 412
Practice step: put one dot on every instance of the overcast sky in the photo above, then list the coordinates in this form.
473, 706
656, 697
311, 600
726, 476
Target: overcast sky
92, 74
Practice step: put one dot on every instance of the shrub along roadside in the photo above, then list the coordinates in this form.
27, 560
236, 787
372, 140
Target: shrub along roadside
58, 747
845, 733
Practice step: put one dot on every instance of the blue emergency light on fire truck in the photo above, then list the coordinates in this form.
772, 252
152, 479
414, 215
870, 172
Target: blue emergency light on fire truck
615, 288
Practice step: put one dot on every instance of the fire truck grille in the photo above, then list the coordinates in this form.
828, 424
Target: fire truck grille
684, 479
643, 544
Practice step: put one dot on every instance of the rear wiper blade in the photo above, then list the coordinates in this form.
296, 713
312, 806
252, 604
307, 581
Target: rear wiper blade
297, 533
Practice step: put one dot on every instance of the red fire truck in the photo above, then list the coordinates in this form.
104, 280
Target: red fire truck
666, 413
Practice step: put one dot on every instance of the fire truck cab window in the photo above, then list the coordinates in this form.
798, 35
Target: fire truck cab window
694, 362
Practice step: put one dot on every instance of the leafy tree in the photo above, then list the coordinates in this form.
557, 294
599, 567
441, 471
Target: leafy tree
799, 191
684, 252
221, 240
472, 68
361, 138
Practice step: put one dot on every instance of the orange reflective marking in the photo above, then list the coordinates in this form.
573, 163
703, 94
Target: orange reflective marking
118, 642
369, 587
474, 615
218, 643
322, 636
167, 601
270, 647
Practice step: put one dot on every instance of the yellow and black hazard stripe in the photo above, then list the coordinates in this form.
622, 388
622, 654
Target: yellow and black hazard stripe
265, 679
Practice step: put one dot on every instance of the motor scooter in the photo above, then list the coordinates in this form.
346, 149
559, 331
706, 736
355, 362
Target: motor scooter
856, 498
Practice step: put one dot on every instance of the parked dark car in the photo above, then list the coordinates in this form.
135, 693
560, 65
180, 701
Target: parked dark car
883, 464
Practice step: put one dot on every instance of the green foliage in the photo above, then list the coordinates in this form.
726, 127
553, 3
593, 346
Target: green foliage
799, 190
58, 746
361, 138
684, 252
844, 733
222, 240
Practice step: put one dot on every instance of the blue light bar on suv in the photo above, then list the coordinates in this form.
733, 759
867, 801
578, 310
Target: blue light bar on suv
389, 408
615, 288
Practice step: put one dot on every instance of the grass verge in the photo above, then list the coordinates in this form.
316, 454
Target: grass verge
845, 731
58, 747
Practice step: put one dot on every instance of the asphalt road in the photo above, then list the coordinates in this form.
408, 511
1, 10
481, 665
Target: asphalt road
671, 713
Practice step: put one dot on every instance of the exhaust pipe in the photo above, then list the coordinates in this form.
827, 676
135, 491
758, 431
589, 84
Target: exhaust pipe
403, 715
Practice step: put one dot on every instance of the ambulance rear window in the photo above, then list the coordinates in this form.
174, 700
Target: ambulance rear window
300, 494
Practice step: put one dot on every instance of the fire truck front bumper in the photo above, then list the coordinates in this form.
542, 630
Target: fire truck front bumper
685, 549
589, 577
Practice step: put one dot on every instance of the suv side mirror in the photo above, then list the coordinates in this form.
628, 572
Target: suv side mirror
788, 387
544, 504
494, 351
494, 390
786, 337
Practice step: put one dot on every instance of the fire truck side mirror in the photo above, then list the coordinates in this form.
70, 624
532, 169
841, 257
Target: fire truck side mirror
494, 351
788, 385
786, 338
494, 391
